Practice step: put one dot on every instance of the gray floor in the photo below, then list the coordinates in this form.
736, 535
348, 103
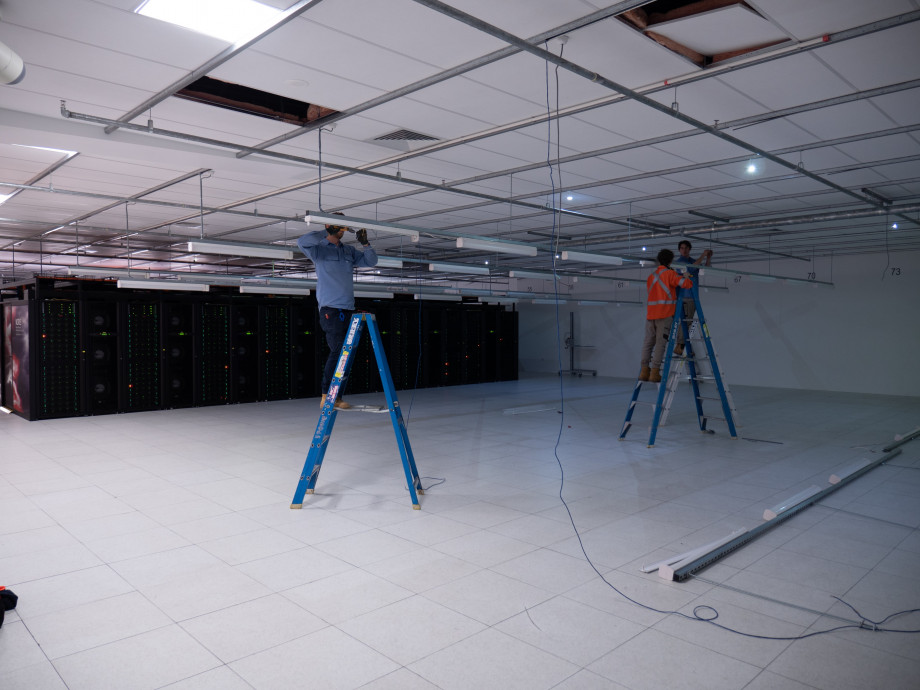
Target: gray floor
158, 549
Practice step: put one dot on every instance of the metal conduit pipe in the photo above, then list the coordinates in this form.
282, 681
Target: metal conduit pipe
596, 78
434, 79
307, 161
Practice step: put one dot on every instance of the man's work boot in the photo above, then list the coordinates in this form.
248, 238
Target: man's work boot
322, 400
342, 405
643, 375
655, 376
679, 349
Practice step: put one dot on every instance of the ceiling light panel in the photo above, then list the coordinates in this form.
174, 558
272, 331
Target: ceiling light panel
228, 20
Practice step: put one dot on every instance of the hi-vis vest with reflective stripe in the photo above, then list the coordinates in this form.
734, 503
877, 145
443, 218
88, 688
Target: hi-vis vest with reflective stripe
662, 292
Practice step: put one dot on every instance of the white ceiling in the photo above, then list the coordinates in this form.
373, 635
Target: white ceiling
847, 108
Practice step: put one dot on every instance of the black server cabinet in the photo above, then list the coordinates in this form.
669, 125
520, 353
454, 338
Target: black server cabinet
178, 380
275, 370
100, 328
212, 367
57, 366
306, 365
244, 346
141, 364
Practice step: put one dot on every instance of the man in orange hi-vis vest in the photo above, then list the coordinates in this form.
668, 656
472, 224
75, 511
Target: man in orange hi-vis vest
662, 300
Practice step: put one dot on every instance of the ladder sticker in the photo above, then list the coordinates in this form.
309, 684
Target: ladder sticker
340, 367
351, 331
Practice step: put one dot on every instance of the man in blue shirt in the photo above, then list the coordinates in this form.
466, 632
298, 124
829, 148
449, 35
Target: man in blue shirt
335, 263
689, 308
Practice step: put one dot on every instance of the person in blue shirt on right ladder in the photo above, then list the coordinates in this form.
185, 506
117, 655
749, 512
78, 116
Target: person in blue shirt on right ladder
689, 308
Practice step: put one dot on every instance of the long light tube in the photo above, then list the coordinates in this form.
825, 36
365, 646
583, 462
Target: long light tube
269, 290
498, 246
548, 301
373, 294
592, 258
537, 275
351, 222
260, 251
163, 285
458, 268
388, 262
440, 298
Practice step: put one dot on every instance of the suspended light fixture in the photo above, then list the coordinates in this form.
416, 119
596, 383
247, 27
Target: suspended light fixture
374, 294
349, 221
440, 298
458, 268
389, 262
537, 275
592, 258
269, 290
499, 246
163, 285
259, 251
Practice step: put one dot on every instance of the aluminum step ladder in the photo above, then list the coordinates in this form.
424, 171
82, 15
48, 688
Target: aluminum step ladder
702, 366
314, 461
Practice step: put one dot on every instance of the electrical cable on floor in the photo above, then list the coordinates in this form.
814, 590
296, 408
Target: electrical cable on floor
701, 613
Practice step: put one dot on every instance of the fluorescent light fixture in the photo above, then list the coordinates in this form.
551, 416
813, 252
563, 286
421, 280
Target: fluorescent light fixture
592, 303
163, 285
269, 290
374, 294
69, 154
537, 275
592, 258
260, 251
499, 246
791, 502
440, 298
548, 301
228, 20
499, 300
351, 222
389, 262
458, 268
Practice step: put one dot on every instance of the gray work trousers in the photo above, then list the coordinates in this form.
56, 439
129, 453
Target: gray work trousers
656, 339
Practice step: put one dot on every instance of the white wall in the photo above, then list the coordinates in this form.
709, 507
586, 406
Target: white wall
861, 336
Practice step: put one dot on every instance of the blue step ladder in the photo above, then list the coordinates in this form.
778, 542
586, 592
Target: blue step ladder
314, 461
694, 363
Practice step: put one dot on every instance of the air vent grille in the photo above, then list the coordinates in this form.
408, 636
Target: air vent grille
405, 135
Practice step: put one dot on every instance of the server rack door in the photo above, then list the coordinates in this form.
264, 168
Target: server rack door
213, 346
100, 328
57, 367
179, 358
275, 351
140, 366
305, 351
19, 384
244, 339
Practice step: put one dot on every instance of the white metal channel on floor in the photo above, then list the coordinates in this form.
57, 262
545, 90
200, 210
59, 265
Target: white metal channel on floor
314, 461
699, 358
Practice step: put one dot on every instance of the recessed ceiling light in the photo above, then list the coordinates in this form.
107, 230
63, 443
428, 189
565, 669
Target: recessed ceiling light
894, 226
569, 198
229, 20
751, 168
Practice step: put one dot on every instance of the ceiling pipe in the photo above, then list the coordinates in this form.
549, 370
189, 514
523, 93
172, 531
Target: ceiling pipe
402, 179
457, 71
596, 78
12, 68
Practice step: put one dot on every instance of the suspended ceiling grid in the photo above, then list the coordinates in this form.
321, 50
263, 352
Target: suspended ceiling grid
844, 109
